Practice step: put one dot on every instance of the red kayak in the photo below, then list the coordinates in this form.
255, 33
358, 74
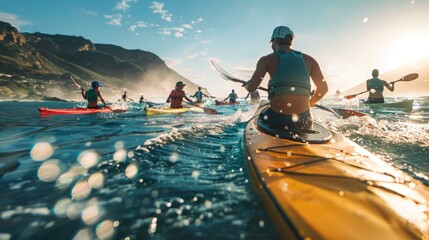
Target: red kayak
226, 103
44, 110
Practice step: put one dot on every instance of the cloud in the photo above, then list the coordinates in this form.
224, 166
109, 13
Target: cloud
124, 4
139, 24
89, 12
14, 20
187, 26
158, 8
115, 20
197, 21
177, 31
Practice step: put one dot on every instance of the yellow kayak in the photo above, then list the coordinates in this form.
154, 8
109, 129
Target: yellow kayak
318, 184
158, 111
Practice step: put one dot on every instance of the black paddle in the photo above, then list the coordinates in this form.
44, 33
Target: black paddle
340, 114
407, 78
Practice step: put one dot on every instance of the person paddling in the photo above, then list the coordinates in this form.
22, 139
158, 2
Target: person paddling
199, 95
142, 100
176, 96
125, 98
289, 88
92, 95
232, 97
375, 87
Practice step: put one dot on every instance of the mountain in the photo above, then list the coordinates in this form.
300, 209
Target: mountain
416, 88
37, 66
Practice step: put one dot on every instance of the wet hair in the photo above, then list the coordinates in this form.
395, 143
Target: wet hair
375, 73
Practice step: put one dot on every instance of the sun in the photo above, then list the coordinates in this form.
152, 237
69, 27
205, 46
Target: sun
405, 49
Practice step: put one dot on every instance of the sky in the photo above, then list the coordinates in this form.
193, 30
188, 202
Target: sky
347, 38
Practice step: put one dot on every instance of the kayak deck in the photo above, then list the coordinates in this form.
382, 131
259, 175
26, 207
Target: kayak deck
62, 111
159, 111
333, 190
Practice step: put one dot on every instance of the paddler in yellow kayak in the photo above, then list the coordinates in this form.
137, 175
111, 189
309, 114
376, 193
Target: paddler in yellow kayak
176, 96
289, 88
375, 86
92, 95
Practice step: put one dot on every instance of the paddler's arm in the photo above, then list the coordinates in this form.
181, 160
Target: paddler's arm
83, 92
258, 75
318, 80
390, 86
189, 100
102, 100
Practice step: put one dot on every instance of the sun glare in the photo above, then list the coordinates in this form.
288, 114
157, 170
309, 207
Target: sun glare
406, 48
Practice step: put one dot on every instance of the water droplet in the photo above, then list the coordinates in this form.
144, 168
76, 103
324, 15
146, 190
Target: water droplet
41, 151
120, 155
88, 158
96, 180
81, 190
131, 170
49, 170
105, 230
295, 117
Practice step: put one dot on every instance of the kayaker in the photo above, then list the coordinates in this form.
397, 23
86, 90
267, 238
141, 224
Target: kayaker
176, 96
92, 95
199, 95
375, 87
289, 88
141, 100
125, 98
232, 97
254, 97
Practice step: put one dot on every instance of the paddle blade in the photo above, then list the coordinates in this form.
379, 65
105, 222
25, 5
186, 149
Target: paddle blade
409, 77
350, 96
210, 111
346, 113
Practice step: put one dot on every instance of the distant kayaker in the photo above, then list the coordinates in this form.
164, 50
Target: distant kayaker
176, 96
141, 100
375, 87
125, 98
92, 95
199, 95
290, 87
232, 97
254, 97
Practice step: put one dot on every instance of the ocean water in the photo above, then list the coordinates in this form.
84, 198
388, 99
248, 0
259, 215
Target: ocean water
132, 176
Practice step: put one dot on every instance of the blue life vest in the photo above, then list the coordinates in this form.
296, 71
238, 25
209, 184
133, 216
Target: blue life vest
91, 96
291, 76
376, 84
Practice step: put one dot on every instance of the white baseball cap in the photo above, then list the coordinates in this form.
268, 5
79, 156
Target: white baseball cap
281, 32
